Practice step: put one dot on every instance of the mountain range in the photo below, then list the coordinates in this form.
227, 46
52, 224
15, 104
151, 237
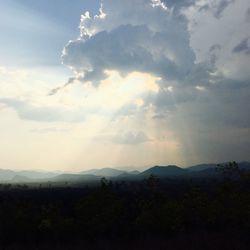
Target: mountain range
170, 171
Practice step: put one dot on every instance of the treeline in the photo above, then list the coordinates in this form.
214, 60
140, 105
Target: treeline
152, 212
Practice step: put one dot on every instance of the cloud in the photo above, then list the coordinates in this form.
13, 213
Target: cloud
29, 111
182, 42
187, 45
194, 46
130, 138
122, 137
145, 36
57, 89
247, 15
49, 130
178, 67
243, 46
206, 30
216, 7
177, 4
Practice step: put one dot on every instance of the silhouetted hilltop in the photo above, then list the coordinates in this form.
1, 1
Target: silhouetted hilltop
165, 171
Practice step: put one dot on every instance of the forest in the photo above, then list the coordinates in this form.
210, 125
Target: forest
153, 213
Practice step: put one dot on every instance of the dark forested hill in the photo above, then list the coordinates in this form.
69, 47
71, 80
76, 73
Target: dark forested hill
165, 171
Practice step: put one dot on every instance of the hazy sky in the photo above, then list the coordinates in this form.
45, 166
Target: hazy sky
117, 83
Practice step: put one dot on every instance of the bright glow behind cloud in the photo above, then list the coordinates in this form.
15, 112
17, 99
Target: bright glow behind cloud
167, 79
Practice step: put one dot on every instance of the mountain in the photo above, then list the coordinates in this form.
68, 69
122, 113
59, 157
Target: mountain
6, 174
131, 175
208, 167
244, 165
74, 178
105, 172
165, 171
202, 167
37, 174
197, 171
20, 179
134, 172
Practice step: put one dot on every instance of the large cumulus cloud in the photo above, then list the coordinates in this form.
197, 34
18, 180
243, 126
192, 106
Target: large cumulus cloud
128, 36
200, 49
189, 43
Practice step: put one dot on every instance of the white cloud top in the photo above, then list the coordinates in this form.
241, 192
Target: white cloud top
166, 79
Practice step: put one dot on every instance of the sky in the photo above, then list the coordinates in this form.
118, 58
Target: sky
126, 84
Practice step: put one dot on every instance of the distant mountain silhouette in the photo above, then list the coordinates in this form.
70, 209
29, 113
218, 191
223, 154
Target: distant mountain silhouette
74, 178
20, 179
6, 174
105, 172
202, 167
165, 171
212, 166
37, 174
244, 165
170, 171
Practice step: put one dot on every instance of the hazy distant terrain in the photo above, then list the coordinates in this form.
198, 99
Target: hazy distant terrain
93, 175
8, 175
